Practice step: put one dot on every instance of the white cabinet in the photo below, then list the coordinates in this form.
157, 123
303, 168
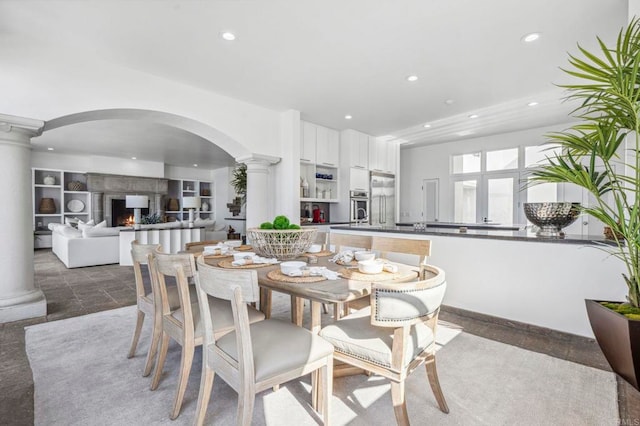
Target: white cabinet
354, 149
382, 156
58, 194
358, 179
180, 188
319, 161
327, 147
308, 142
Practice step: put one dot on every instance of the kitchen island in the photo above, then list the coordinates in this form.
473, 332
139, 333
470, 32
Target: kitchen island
516, 275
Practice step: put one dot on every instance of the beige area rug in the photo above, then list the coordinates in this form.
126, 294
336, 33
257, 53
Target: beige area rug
82, 377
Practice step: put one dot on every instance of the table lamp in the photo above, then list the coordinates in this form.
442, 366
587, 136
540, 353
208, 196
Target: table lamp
191, 203
137, 202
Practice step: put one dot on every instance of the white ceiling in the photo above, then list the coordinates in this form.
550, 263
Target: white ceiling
330, 58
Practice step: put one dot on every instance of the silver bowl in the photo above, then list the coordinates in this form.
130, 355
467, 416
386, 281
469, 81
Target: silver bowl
551, 217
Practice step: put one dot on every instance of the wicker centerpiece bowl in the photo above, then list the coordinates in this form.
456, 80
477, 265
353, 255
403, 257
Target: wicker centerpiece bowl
282, 244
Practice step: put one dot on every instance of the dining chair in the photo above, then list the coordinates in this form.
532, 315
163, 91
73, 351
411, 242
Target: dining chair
420, 248
144, 301
395, 335
258, 356
185, 323
340, 242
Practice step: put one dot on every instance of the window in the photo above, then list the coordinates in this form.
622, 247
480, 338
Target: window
465, 196
536, 155
505, 159
466, 163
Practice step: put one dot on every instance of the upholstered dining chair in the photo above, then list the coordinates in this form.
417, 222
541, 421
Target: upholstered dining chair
340, 242
257, 356
395, 335
404, 246
144, 301
185, 324
420, 248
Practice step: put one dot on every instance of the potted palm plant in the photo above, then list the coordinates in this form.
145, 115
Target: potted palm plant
602, 155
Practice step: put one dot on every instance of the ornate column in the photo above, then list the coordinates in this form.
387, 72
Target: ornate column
19, 298
260, 191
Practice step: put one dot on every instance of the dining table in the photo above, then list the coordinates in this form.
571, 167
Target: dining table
349, 286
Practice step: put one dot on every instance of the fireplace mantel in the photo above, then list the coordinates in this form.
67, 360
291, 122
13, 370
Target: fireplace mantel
105, 187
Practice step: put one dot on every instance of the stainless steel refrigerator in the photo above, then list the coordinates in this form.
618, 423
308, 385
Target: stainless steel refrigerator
383, 199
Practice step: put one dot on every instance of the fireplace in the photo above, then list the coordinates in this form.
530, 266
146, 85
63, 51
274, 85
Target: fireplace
121, 215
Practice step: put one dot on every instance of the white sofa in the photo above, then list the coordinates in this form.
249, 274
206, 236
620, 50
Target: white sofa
100, 245
91, 247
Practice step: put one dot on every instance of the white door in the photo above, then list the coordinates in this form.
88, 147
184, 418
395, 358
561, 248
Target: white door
501, 198
430, 189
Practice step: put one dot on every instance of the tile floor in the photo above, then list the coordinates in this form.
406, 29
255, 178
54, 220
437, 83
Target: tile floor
75, 292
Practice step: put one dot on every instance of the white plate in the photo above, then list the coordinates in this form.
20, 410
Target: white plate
75, 206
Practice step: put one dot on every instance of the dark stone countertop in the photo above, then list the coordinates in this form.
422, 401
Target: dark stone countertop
495, 234
324, 223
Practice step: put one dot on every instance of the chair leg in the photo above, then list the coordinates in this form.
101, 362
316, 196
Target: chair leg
185, 368
399, 403
432, 374
153, 347
136, 334
265, 302
162, 356
327, 388
246, 399
206, 385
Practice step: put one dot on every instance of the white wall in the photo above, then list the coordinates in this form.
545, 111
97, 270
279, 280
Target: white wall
432, 161
97, 164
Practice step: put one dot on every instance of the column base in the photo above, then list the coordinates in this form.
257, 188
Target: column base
34, 306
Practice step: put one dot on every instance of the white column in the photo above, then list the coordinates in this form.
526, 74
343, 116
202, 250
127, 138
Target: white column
19, 298
259, 195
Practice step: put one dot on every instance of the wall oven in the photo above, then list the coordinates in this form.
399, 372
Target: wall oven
359, 201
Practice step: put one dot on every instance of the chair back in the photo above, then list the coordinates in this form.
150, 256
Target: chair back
239, 287
350, 240
404, 304
139, 254
180, 267
421, 248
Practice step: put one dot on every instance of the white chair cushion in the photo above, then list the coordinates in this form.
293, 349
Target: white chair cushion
295, 347
355, 336
221, 315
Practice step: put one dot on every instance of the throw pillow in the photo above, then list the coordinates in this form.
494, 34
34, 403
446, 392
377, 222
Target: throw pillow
94, 231
84, 225
69, 232
102, 224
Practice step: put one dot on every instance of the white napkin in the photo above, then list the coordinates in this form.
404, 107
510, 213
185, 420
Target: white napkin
253, 259
315, 271
345, 256
217, 249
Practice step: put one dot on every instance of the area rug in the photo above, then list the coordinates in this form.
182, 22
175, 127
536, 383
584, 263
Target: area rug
82, 377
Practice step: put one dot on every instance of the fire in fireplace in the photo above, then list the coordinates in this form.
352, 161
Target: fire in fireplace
121, 215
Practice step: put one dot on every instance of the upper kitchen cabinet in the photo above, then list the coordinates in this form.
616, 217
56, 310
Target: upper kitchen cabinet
308, 141
382, 156
327, 147
355, 149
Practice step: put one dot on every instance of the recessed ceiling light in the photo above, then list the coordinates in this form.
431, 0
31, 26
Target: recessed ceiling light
474, 116
528, 38
134, 158
49, 149
412, 78
449, 102
195, 165
426, 126
532, 103
347, 117
228, 36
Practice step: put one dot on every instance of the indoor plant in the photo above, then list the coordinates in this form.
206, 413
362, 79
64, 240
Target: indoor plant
601, 154
239, 181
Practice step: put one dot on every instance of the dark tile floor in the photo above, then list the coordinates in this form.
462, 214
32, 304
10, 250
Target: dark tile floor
75, 292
